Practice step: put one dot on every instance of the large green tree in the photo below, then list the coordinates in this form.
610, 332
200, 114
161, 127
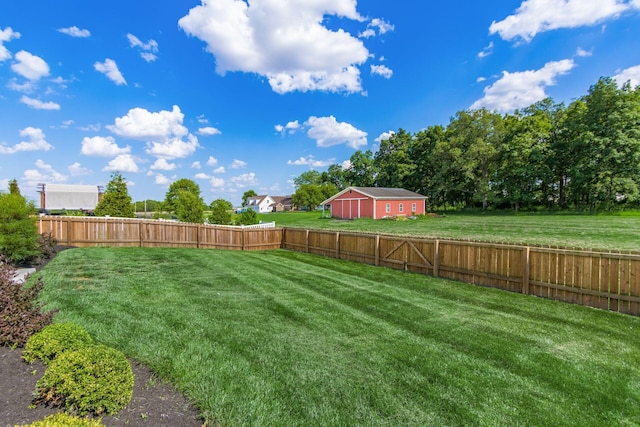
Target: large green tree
246, 195
177, 189
189, 208
392, 161
362, 171
116, 200
524, 165
612, 140
220, 212
309, 196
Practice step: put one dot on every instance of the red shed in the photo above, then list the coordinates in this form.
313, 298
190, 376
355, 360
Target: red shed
374, 202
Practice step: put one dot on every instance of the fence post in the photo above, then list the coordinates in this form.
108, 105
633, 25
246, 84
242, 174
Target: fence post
525, 269
436, 258
140, 232
306, 247
242, 237
377, 260
68, 231
337, 244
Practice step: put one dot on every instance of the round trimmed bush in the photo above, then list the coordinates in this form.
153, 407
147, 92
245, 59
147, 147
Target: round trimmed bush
64, 420
53, 340
94, 379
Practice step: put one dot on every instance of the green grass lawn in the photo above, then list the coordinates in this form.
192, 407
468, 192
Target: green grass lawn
281, 338
609, 232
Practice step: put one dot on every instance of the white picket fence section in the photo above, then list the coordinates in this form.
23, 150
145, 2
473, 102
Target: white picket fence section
261, 225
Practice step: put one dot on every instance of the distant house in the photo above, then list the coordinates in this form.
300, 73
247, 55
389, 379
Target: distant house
374, 202
282, 203
69, 197
260, 204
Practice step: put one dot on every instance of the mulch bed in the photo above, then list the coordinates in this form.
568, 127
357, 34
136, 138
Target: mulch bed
154, 402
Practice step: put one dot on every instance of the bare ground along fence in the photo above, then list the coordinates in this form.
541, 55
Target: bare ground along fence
606, 280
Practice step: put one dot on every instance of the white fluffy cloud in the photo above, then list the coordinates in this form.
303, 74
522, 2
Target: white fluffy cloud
216, 182
6, 35
385, 136
35, 142
39, 105
284, 41
102, 147
75, 32
382, 70
327, 131
30, 66
207, 131
144, 125
219, 169
163, 132
521, 89
76, 169
110, 69
163, 164
537, 16
310, 161
631, 74
148, 49
173, 148
122, 163
212, 161
377, 26
43, 173
244, 180
196, 165
290, 127
488, 50
237, 164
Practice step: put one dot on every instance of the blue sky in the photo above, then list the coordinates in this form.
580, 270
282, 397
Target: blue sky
240, 95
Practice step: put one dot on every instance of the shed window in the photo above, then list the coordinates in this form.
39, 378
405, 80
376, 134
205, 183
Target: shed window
388, 208
401, 207
413, 207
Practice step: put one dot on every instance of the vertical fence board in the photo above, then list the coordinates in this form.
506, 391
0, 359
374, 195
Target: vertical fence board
635, 286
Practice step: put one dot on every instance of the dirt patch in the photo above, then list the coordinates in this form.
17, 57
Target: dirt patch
154, 402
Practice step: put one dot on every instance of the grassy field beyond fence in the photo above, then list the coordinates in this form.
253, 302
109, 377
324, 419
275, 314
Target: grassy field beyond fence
285, 338
605, 232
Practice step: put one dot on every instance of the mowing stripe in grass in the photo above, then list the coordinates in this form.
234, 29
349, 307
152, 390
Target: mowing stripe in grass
284, 338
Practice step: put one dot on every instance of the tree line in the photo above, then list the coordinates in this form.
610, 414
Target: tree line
584, 156
183, 202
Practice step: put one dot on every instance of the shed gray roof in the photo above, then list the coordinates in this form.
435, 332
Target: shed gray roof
388, 193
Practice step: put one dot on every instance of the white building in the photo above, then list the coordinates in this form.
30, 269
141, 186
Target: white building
69, 197
261, 204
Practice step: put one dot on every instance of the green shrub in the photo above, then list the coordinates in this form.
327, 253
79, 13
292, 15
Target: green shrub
54, 339
248, 217
64, 420
46, 245
94, 379
18, 232
20, 313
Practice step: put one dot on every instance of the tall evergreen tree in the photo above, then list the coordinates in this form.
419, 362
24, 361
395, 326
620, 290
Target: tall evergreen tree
13, 187
116, 200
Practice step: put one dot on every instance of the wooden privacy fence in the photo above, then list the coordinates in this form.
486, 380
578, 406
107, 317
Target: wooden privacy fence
120, 232
604, 280
607, 280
